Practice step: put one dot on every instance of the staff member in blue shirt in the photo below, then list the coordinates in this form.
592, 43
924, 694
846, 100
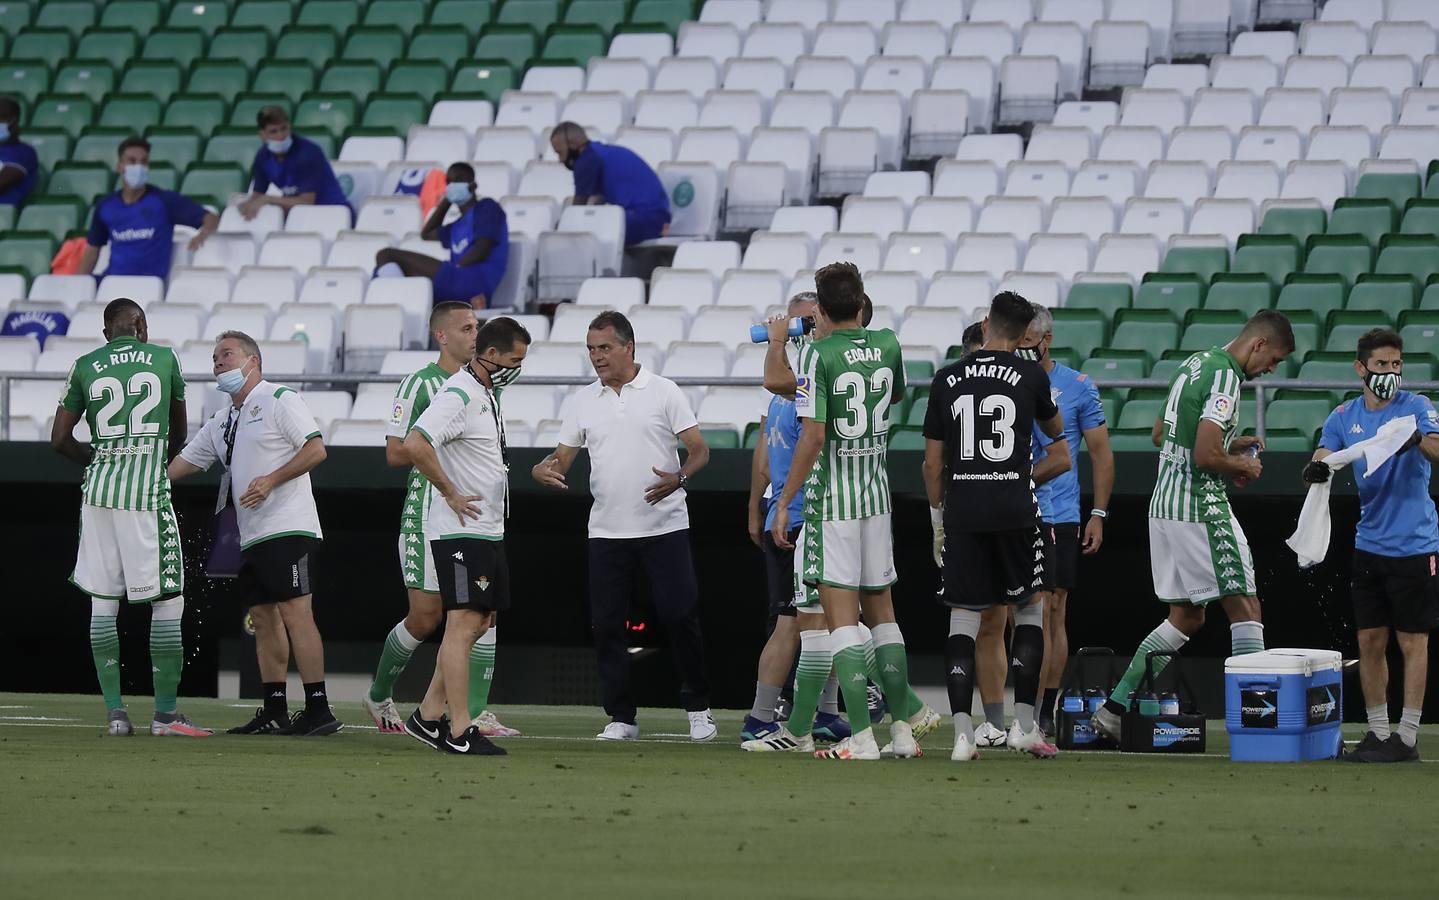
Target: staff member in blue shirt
478, 241
19, 167
1394, 582
613, 174
294, 165
138, 221
1058, 495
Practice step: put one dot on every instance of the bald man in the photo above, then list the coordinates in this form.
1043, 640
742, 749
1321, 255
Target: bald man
613, 174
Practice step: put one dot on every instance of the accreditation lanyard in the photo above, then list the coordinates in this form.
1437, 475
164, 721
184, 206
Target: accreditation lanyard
499, 429
232, 428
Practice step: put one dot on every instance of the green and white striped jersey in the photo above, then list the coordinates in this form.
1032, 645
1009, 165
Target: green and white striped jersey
125, 389
849, 381
411, 399
1205, 387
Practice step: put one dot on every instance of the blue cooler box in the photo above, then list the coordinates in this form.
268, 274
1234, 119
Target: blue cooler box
1283, 705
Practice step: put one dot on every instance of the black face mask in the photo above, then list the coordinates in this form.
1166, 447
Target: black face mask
1384, 384
500, 376
569, 162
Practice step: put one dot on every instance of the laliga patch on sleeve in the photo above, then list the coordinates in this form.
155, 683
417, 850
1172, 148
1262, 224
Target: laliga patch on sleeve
398, 414
1220, 407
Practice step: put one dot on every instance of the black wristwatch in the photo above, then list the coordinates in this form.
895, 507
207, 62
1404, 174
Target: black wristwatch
684, 481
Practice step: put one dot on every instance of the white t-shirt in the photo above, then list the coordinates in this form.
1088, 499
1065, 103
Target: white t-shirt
629, 433
269, 429
462, 423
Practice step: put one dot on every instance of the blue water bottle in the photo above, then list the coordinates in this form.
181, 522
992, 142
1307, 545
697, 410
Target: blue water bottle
1072, 701
759, 334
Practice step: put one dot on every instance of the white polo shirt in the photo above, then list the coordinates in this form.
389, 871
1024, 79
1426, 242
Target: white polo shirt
628, 433
268, 430
462, 423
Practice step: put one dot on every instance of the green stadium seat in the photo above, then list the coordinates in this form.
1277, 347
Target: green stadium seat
607, 15
1206, 262
52, 145
405, 15
1301, 410
202, 112
160, 80
1117, 365
538, 14
395, 112
14, 17
1346, 327
1398, 189
470, 15
291, 79
1414, 255
1371, 218
378, 45
577, 42
85, 78
227, 78
177, 146
271, 15
56, 215
487, 78
515, 44
338, 15
1420, 329
358, 79
669, 13
1140, 414
1318, 294
751, 435
84, 180
423, 78
232, 146
1293, 221
136, 112
1144, 329
1081, 329
1212, 331
1287, 440
214, 183
904, 439
442, 45
7, 218
1422, 217
71, 17
1175, 292
1392, 295
1165, 369
209, 16
246, 111
1330, 367
100, 145
140, 16
332, 114
116, 46
1247, 294
724, 438
314, 44
1132, 440
1271, 255
47, 45
1106, 296
917, 411
70, 112
250, 46
28, 251
25, 80
918, 371
1345, 255
178, 45
1066, 356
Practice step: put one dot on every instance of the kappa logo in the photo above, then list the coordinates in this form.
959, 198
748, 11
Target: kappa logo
1228, 573
956, 670
170, 557
1356, 428
111, 663
1038, 570
857, 677
811, 571
813, 557
458, 555
1016, 663
411, 551
1212, 511
890, 667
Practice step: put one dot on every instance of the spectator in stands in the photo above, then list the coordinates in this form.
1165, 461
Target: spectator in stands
138, 221
612, 174
19, 166
478, 241
294, 165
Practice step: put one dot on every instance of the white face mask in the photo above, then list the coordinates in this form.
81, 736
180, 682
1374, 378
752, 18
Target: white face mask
232, 381
458, 192
136, 175
280, 148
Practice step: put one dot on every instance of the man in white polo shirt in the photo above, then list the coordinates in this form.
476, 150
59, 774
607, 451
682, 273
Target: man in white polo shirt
268, 442
639, 524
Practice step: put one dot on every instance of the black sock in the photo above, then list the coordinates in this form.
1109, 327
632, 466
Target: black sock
1027, 649
1115, 708
1046, 708
276, 706
959, 672
316, 700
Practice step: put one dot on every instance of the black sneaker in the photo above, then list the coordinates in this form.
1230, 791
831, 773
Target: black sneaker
429, 732
314, 723
1392, 750
263, 723
1368, 744
471, 743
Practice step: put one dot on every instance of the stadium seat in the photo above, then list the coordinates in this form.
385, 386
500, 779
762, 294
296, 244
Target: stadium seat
204, 287
993, 254
1344, 255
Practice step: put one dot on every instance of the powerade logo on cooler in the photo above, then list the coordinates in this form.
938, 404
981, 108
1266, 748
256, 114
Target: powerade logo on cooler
1257, 709
1323, 705
1167, 734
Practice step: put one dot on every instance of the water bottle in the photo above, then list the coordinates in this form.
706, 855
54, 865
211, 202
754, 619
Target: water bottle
1169, 703
1252, 452
1072, 702
759, 334
1148, 704
1093, 699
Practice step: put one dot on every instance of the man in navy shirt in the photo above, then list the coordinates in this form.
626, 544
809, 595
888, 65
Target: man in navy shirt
294, 165
138, 221
19, 166
612, 174
1396, 548
478, 241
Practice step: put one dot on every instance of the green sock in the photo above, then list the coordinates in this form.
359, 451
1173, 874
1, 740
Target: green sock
850, 670
1164, 637
399, 647
105, 648
872, 672
809, 680
894, 678
167, 652
482, 672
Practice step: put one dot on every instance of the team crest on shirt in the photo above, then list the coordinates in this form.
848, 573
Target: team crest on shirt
483, 583
254, 412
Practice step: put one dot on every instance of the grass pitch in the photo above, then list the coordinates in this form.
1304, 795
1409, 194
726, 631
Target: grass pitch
366, 815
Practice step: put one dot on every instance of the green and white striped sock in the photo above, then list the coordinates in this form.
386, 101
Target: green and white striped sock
105, 649
810, 676
167, 651
1246, 637
1164, 637
399, 647
482, 671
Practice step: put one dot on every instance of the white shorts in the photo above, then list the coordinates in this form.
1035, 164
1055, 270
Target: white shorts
855, 554
129, 555
417, 564
1199, 562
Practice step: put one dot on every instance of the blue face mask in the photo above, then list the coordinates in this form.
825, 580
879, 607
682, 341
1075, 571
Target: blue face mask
280, 148
136, 175
4, 132
458, 192
232, 381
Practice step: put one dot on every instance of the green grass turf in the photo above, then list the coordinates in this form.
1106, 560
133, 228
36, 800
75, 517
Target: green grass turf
364, 815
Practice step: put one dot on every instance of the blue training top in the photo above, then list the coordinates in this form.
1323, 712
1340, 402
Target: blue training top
1396, 513
781, 431
621, 176
1078, 401
303, 170
141, 234
485, 219
22, 156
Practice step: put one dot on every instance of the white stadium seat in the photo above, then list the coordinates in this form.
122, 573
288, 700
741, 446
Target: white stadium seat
688, 289
143, 289
671, 110
272, 286
830, 75
949, 216
880, 215
71, 290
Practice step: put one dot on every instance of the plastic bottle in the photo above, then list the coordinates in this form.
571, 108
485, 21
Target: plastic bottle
759, 334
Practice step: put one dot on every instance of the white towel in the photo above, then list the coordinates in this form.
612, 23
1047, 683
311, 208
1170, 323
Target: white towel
1310, 540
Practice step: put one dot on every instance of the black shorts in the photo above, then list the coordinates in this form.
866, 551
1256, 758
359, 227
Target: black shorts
1399, 592
473, 574
779, 574
992, 568
1063, 549
277, 570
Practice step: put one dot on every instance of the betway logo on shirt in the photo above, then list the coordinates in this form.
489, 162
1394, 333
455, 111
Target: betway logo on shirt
133, 234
